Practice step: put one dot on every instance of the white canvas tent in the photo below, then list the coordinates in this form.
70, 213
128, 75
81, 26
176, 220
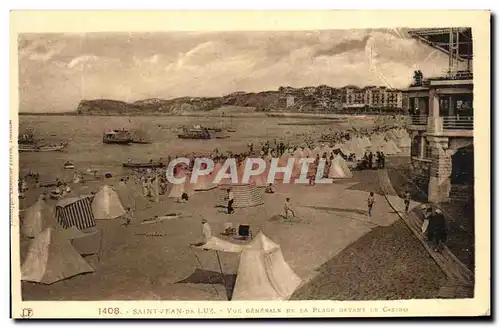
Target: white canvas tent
339, 169
52, 258
263, 273
106, 204
204, 183
390, 148
36, 218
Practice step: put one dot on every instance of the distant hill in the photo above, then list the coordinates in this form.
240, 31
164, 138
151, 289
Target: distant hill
262, 101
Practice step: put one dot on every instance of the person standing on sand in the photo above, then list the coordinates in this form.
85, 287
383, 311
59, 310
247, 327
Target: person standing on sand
288, 208
370, 201
230, 201
206, 231
407, 201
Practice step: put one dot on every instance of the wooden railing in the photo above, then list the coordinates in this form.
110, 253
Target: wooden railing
418, 120
458, 122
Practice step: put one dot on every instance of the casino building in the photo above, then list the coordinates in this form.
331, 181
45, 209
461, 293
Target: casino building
441, 119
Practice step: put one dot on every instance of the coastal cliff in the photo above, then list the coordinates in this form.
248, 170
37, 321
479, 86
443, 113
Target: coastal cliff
262, 101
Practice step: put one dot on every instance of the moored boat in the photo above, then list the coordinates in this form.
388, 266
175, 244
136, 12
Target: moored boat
197, 132
36, 148
120, 137
69, 166
139, 137
149, 165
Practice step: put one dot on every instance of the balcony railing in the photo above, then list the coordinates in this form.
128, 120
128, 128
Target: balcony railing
458, 122
418, 120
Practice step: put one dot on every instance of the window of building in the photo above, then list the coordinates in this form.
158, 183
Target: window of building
427, 149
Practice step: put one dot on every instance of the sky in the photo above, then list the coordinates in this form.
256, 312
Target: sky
57, 71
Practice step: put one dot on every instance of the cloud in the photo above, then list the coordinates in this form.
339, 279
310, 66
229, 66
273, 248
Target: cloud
81, 60
132, 66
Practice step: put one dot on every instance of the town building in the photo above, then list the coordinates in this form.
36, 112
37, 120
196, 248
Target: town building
441, 119
372, 97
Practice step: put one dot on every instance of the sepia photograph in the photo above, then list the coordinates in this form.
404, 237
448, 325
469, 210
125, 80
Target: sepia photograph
322, 164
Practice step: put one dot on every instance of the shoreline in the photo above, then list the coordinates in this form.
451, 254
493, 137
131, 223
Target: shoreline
208, 114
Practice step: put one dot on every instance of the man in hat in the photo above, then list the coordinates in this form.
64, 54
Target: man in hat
427, 210
437, 230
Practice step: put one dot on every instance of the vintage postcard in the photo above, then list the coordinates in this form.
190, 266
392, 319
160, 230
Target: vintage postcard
250, 164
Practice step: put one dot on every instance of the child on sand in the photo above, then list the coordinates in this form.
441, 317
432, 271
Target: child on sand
370, 201
288, 208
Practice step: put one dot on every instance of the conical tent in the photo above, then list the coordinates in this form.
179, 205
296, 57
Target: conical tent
316, 151
245, 195
260, 180
339, 169
390, 148
106, 204
204, 183
263, 273
176, 191
52, 258
343, 164
353, 148
188, 186
298, 153
327, 149
366, 142
307, 152
36, 218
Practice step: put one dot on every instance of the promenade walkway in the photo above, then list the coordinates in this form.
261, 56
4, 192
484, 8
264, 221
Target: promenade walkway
460, 279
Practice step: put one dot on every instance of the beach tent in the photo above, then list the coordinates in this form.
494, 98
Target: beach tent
326, 149
316, 151
177, 190
85, 242
391, 135
298, 153
52, 258
189, 187
263, 273
366, 142
354, 148
390, 148
75, 211
36, 218
260, 180
106, 204
245, 195
339, 169
307, 152
204, 183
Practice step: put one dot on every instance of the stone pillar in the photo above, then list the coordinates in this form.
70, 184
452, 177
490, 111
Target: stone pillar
434, 121
440, 171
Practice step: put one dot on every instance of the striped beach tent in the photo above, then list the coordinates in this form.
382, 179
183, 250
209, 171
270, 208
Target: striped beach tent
245, 195
75, 211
